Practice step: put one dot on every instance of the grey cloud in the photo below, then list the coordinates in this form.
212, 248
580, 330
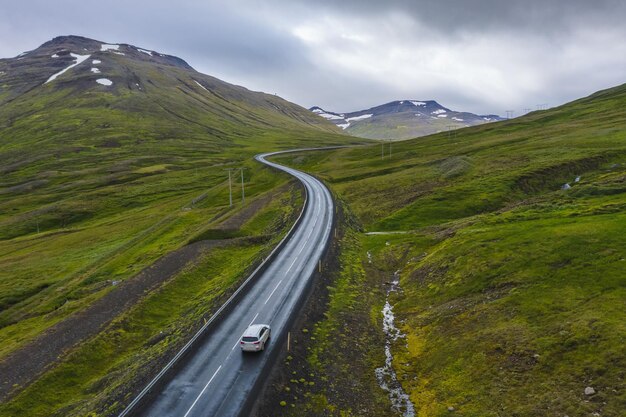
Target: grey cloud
537, 16
190, 29
522, 52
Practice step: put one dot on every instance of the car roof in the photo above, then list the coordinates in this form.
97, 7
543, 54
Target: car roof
254, 329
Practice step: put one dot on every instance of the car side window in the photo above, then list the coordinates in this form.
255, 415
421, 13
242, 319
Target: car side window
262, 331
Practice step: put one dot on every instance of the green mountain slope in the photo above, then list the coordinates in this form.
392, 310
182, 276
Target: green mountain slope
114, 163
512, 283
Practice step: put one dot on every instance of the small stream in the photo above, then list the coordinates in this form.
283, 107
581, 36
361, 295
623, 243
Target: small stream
386, 375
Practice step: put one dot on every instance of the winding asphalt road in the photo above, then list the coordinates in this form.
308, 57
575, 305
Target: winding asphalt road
218, 378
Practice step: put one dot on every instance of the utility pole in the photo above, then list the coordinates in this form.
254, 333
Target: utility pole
230, 188
526, 110
390, 148
382, 150
230, 185
243, 192
509, 113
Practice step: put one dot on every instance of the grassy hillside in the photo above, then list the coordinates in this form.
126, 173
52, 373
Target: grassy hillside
98, 182
512, 289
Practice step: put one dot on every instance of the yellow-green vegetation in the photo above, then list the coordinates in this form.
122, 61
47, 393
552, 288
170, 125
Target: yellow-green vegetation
106, 371
98, 183
324, 376
64, 242
114, 359
512, 288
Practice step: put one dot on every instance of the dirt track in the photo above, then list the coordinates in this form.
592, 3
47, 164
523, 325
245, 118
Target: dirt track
23, 366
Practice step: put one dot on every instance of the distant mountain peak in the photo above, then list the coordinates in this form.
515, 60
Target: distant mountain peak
66, 44
402, 119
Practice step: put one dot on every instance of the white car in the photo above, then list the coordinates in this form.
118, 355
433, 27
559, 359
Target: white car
255, 337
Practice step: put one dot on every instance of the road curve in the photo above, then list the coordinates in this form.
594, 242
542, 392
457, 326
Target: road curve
217, 379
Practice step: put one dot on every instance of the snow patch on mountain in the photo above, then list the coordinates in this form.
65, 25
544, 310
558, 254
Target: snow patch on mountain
109, 47
330, 116
364, 116
54, 56
79, 60
145, 51
201, 86
95, 70
96, 62
417, 118
104, 81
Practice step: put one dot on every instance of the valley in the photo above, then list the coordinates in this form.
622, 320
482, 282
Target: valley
511, 286
99, 183
461, 264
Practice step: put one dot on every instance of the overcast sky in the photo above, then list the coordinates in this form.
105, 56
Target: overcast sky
484, 56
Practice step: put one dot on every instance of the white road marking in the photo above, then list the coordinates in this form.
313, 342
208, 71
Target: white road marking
290, 266
202, 392
319, 217
275, 288
257, 315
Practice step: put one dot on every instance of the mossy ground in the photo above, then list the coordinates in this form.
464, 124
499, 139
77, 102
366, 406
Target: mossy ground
318, 376
103, 373
98, 183
512, 289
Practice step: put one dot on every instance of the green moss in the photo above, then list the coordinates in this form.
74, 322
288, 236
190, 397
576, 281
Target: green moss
96, 186
156, 325
511, 288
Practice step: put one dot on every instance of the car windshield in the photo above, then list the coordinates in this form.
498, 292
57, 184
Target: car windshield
249, 339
